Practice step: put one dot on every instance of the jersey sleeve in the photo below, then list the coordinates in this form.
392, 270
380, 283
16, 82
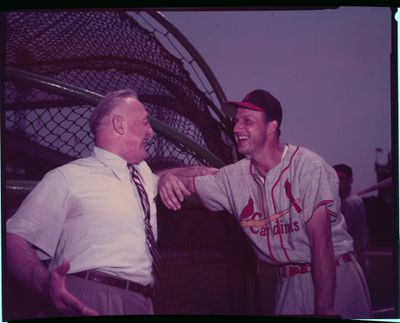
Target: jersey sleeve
41, 216
321, 188
213, 191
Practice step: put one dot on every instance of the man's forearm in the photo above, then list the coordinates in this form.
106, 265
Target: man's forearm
324, 276
24, 264
174, 188
322, 261
192, 171
188, 181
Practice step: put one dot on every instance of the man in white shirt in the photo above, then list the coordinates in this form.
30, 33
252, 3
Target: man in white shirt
88, 219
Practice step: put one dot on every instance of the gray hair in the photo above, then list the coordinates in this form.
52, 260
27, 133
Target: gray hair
107, 104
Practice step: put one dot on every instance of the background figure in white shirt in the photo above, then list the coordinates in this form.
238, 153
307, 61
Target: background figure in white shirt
353, 209
87, 220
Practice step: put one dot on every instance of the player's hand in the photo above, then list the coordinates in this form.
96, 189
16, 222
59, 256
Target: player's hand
61, 298
172, 191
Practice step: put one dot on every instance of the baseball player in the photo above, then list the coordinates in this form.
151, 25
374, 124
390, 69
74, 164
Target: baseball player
286, 200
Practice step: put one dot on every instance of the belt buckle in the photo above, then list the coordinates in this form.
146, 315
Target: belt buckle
90, 275
303, 268
294, 269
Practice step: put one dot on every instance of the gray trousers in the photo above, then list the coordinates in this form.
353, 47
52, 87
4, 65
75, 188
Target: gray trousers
295, 294
108, 300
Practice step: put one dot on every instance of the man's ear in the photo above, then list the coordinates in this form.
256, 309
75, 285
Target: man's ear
272, 126
118, 122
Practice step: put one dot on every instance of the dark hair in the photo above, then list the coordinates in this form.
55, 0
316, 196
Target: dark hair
107, 104
343, 168
266, 120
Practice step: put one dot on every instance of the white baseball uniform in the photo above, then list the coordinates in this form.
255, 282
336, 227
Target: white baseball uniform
273, 212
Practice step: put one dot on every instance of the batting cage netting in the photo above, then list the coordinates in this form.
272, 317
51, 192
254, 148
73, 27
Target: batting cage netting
102, 51
54, 61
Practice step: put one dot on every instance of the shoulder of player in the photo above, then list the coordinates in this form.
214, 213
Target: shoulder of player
242, 165
309, 159
307, 154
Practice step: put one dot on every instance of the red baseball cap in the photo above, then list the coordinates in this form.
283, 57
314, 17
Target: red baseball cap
258, 100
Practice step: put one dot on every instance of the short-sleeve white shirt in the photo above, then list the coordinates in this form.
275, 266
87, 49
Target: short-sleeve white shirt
89, 213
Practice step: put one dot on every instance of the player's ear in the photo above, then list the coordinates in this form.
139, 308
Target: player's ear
118, 122
272, 126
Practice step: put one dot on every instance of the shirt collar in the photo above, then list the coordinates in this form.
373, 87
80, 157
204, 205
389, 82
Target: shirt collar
117, 164
255, 173
258, 178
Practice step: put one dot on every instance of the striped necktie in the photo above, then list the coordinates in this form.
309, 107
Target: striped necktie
151, 242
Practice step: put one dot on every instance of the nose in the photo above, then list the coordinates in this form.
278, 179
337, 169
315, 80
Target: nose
150, 131
236, 127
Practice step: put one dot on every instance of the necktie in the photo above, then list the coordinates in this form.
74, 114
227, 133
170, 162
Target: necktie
150, 240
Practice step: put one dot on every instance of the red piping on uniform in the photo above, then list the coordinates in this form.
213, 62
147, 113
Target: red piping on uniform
262, 201
273, 201
263, 208
279, 178
331, 213
324, 202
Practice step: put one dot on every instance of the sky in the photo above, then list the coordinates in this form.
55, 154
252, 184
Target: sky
330, 69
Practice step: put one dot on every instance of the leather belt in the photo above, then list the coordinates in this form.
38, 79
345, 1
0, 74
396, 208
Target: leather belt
102, 278
294, 269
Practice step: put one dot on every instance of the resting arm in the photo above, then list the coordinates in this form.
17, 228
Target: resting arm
173, 189
192, 171
323, 265
177, 183
24, 264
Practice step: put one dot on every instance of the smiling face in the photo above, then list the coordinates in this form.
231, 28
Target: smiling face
251, 131
137, 131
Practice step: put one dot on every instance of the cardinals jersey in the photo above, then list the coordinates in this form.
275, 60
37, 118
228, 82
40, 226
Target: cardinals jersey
273, 211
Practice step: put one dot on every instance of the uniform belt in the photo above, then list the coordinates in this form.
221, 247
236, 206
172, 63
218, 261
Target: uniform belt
294, 269
101, 278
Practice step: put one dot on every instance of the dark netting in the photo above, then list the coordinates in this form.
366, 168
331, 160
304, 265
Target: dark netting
100, 51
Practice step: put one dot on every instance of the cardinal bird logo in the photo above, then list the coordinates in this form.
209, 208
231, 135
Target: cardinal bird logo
288, 190
247, 210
